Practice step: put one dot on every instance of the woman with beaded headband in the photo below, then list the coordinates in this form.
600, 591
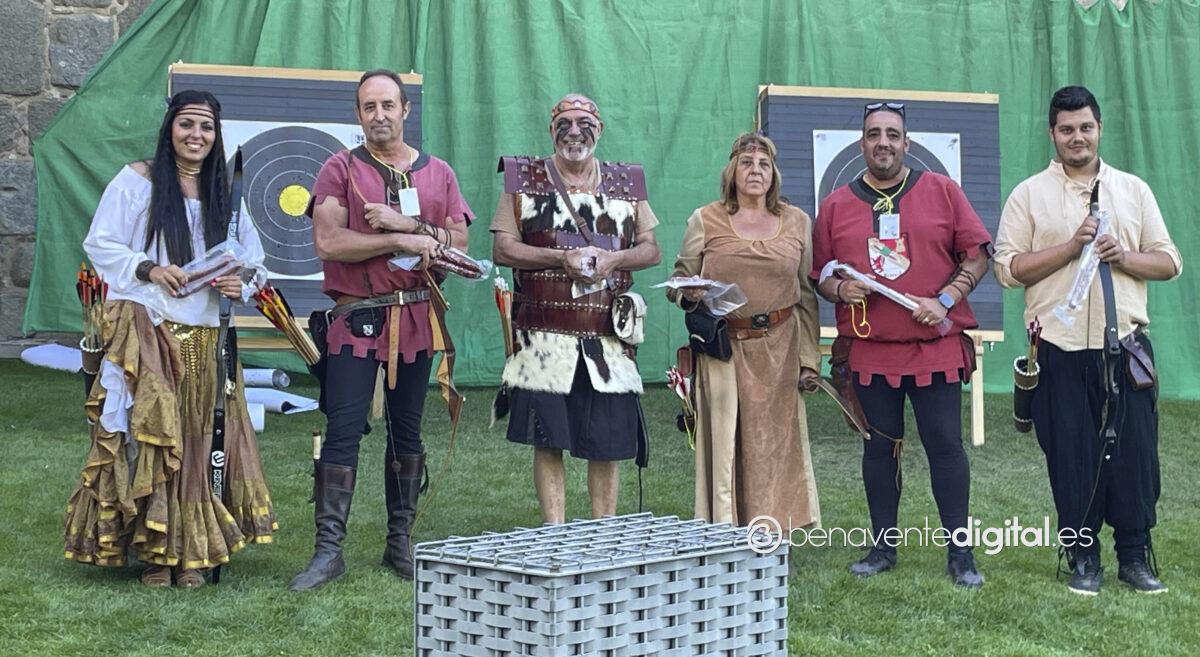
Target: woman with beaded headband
144, 488
752, 456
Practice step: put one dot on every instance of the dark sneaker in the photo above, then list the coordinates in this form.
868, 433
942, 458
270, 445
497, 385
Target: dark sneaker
874, 563
960, 566
1085, 579
1138, 575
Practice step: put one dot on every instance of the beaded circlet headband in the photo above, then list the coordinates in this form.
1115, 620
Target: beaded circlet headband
566, 105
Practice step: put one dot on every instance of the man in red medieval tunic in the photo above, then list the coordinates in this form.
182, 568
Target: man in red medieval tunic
369, 203
915, 232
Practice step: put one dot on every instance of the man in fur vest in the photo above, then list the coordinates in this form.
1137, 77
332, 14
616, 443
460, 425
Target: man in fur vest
573, 228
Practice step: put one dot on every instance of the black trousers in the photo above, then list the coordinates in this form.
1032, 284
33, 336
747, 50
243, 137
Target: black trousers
349, 386
1067, 408
938, 409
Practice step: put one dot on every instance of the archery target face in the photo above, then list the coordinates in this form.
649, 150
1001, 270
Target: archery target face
838, 159
280, 166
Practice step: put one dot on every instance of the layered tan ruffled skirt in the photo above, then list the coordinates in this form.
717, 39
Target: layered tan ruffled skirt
146, 492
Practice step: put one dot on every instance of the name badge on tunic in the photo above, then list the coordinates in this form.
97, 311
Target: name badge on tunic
889, 226
410, 203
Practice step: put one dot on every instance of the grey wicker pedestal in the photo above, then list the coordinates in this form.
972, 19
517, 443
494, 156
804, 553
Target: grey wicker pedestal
622, 586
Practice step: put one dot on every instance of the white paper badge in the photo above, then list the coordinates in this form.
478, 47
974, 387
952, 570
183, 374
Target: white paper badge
410, 203
889, 226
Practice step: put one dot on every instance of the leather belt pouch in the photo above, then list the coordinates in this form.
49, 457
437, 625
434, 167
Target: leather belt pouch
708, 334
366, 322
1139, 365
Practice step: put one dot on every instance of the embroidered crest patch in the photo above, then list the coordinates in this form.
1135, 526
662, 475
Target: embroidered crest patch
889, 258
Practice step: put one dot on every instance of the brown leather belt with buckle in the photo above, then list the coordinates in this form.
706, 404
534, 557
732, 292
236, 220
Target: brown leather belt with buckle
397, 298
756, 326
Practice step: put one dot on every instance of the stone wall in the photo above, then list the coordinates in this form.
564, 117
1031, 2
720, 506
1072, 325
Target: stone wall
49, 47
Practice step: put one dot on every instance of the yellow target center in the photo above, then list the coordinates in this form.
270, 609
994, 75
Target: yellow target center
293, 200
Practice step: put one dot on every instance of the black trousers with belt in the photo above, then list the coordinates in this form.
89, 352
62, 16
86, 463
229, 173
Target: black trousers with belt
1089, 490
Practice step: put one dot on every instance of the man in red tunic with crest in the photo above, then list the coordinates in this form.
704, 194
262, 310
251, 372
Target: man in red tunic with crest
915, 232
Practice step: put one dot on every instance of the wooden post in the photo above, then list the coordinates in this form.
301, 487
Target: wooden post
977, 393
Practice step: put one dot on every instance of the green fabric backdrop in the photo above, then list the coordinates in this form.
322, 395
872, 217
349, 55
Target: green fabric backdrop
676, 81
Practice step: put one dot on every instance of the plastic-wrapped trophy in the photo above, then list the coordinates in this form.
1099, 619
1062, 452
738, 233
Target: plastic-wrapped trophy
1089, 263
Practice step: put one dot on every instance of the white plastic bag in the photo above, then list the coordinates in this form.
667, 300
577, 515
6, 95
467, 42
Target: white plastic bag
721, 298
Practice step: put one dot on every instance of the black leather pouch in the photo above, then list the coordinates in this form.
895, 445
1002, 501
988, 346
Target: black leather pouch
366, 322
708, 334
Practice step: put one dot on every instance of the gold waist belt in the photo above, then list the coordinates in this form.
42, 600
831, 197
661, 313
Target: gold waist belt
197, 345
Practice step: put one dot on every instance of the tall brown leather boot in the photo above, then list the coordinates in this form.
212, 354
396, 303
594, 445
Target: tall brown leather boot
402, 488
335, 489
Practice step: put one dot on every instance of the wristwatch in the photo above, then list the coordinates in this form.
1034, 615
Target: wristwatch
946, 300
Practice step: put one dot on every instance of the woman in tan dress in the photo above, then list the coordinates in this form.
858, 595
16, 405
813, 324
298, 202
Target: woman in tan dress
752, 455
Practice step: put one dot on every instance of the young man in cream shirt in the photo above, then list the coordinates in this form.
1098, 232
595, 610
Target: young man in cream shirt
1043, 230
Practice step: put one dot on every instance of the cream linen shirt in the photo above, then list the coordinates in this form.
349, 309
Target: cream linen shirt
1045, 210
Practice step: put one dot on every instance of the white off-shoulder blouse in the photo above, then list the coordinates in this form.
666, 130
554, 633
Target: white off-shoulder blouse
115, 242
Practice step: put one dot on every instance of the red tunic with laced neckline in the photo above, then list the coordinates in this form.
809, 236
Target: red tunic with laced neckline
939, 229
441, 202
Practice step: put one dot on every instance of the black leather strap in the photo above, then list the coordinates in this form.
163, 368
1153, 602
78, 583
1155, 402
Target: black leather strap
1112, 343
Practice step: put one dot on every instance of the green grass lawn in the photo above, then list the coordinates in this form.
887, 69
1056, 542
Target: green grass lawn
50, 606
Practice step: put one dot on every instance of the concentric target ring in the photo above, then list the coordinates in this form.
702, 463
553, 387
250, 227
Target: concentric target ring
280, 169
849, 164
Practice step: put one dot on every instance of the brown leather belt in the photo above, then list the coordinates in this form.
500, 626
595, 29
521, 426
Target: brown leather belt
347, 303
756, 326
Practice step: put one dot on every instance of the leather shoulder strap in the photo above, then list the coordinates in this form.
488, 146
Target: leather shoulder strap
360, 153
566, 199
1112, 343
391, 182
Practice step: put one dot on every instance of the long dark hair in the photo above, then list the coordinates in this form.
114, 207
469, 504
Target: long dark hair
168, 212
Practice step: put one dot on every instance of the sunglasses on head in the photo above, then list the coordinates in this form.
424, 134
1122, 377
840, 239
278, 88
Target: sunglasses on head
875, 107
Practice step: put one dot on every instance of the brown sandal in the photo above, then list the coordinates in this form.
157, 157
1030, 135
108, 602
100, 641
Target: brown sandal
157, 577
189, 579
